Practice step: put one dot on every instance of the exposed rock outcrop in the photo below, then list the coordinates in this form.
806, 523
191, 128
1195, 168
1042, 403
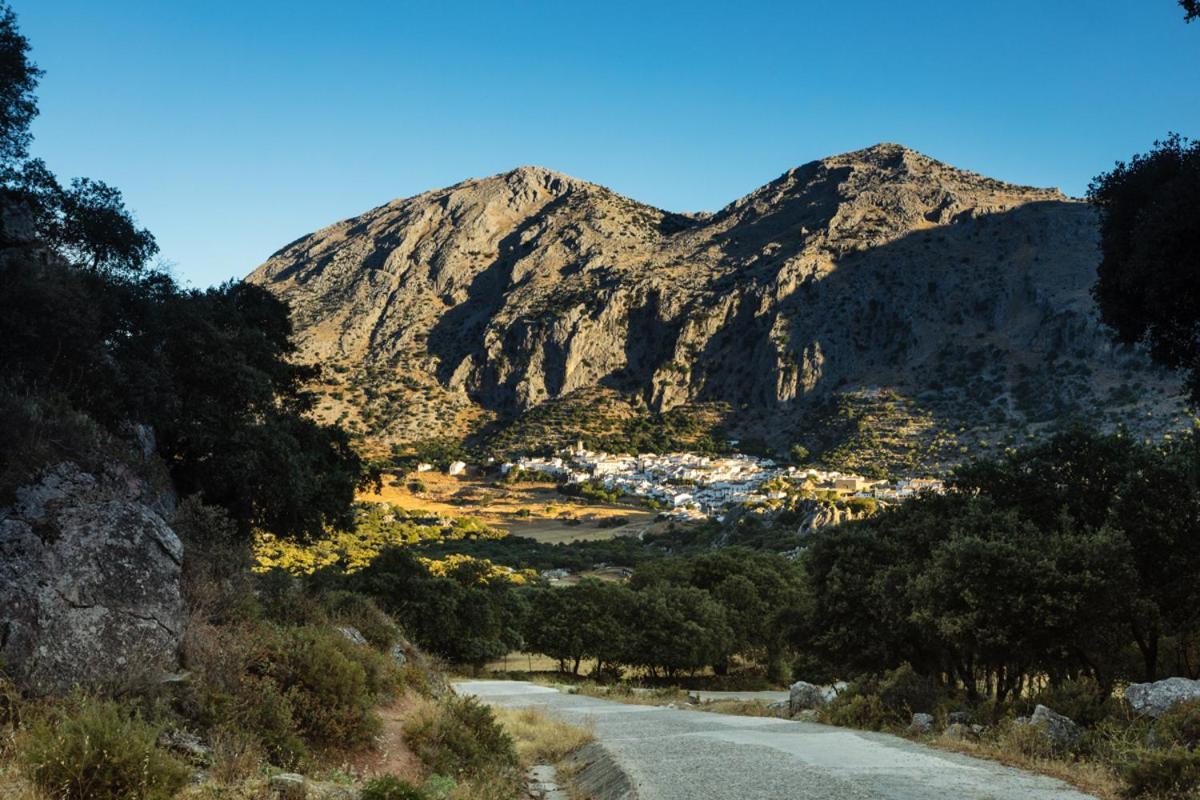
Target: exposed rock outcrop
89, 579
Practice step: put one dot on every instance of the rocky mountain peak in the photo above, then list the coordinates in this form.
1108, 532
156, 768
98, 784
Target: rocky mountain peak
881, 267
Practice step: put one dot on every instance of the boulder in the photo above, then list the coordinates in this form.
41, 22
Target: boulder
804, 695
959, 732
959, 718
90, 576
807, 715
921, 723
1063, 733
1152, 699
288, 786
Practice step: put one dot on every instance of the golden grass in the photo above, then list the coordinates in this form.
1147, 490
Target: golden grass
14, 787
1089, 776
539, 737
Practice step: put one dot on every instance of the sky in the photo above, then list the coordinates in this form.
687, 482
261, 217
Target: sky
236, 126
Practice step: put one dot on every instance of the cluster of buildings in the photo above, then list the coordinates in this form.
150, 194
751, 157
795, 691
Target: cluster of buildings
693, 486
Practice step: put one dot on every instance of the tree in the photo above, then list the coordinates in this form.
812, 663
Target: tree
1148, 286
86, 224
18, 80
678, 629
1191, 9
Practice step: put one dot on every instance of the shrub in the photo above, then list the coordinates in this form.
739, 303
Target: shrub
326, 683
95, 750
1164, 773
902, 691
460, 736
389, 787
262, 709
1082, 700
1028, 740
853, 710
360, 612
1180, 725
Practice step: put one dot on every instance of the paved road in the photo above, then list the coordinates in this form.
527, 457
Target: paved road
693, 755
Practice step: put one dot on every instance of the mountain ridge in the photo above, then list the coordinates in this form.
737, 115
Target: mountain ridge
881, 267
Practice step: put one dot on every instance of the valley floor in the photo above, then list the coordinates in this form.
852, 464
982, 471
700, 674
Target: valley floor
674, 754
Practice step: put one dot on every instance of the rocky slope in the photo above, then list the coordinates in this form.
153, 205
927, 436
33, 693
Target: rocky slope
877, 304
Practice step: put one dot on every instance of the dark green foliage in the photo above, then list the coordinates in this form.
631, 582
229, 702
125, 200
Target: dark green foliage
678, 629
1180, 725
1149, 277
1081, 699
1191, 9
1170, 773
208, 371
93, 749
587, 620
18, 78
389, 787
360, 612
462, 739
459, 619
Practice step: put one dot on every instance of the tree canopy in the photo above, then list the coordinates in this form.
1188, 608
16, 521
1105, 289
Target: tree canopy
1148, 286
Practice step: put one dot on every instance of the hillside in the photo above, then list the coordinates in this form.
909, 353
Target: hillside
873, 306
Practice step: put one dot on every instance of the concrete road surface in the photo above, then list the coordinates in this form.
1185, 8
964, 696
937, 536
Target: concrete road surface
674, 754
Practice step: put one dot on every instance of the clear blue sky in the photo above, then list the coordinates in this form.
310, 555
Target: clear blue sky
235, 126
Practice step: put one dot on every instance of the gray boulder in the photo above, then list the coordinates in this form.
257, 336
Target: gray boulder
959, 732
1152, 699
89, 579
959, 718
804, 696
921, 723
1062, 732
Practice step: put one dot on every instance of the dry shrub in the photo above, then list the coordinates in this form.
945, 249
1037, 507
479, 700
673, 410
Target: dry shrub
459, 736
92, 749
540, 738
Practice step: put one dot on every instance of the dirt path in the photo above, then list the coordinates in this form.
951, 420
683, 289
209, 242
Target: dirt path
689, 755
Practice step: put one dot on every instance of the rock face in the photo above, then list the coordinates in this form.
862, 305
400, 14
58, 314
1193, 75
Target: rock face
1152, 699
877, 268
89, 580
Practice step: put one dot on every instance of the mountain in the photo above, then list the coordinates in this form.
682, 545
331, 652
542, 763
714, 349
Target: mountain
876, 306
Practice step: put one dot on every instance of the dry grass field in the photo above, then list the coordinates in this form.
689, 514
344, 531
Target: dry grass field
533, 510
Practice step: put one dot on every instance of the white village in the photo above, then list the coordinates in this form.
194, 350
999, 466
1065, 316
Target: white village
695, 486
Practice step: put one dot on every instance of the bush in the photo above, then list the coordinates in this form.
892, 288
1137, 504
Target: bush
1028, 740
1180, 725
389, 787
1173, 772
863, 711
360, 612
461, 737
902, 692
1082, 700
95, 750
325, 679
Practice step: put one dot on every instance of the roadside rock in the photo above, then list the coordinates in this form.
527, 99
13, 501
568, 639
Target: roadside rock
89, 580
1063, 733
959, 718
1152, 699
804, 695
921, 723
959, 732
